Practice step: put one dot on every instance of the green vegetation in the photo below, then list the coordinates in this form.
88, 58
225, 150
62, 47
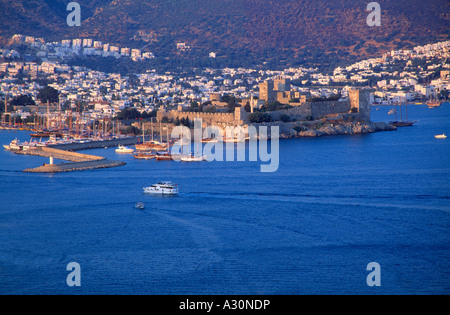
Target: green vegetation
182, 122
272, 106
285, 118
299, 128
259, 118
132, 113
22, 100
242, 33
48, 94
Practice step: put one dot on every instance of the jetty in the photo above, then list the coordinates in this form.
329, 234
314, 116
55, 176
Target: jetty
77, 161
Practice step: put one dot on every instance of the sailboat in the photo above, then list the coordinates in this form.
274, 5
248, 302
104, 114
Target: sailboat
402, 123
152, 145
434, 102
191, 157
144, 155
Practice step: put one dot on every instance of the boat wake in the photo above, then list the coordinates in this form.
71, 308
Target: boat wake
393, 201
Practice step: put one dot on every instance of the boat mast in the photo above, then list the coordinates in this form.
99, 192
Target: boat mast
152, 127
396, 119
406, 109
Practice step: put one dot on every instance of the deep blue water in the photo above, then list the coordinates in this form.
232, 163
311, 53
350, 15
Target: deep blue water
335, 205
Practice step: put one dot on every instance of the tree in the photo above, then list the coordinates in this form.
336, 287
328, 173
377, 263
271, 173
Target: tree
49, 94
259, 118
128, 113
285, 118
22, 100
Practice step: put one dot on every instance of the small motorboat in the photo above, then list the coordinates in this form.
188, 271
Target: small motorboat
140, 205
123, 149
442, 136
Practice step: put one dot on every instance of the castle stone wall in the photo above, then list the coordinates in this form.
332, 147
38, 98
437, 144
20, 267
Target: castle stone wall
239, 117
320, 109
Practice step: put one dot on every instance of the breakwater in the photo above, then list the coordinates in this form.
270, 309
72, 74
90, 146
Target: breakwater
76, 166
79, 161
59, 154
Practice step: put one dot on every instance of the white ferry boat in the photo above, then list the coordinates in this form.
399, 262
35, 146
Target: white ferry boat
14, 145
163, 188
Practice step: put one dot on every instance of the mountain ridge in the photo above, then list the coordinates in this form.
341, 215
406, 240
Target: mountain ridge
241, 32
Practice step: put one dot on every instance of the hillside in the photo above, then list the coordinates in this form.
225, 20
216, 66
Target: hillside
241, 32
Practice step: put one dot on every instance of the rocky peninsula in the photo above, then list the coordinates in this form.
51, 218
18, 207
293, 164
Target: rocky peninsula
328, 128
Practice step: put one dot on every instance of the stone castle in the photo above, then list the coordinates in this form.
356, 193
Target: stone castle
356, 107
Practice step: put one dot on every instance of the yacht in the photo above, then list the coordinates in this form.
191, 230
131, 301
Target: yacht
235, 140
163, 188
192, 158
123, 149
210, 140
442, 136
14, 145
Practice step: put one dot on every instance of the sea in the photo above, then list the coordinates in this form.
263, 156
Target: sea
335, 205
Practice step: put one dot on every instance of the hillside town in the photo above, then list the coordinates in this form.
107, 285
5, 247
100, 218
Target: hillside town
29, 65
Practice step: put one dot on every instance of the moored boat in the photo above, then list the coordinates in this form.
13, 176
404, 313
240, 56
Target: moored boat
163, 156
123, 149
13, 146
152, 145
402, 123
210, 140
433, 104
192, 158
144, 156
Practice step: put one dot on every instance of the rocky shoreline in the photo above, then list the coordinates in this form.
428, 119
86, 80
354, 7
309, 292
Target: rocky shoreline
336, 128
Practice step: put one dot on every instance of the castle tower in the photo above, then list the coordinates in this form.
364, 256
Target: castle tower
266, 91
282, 84
360, 99
240, 115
